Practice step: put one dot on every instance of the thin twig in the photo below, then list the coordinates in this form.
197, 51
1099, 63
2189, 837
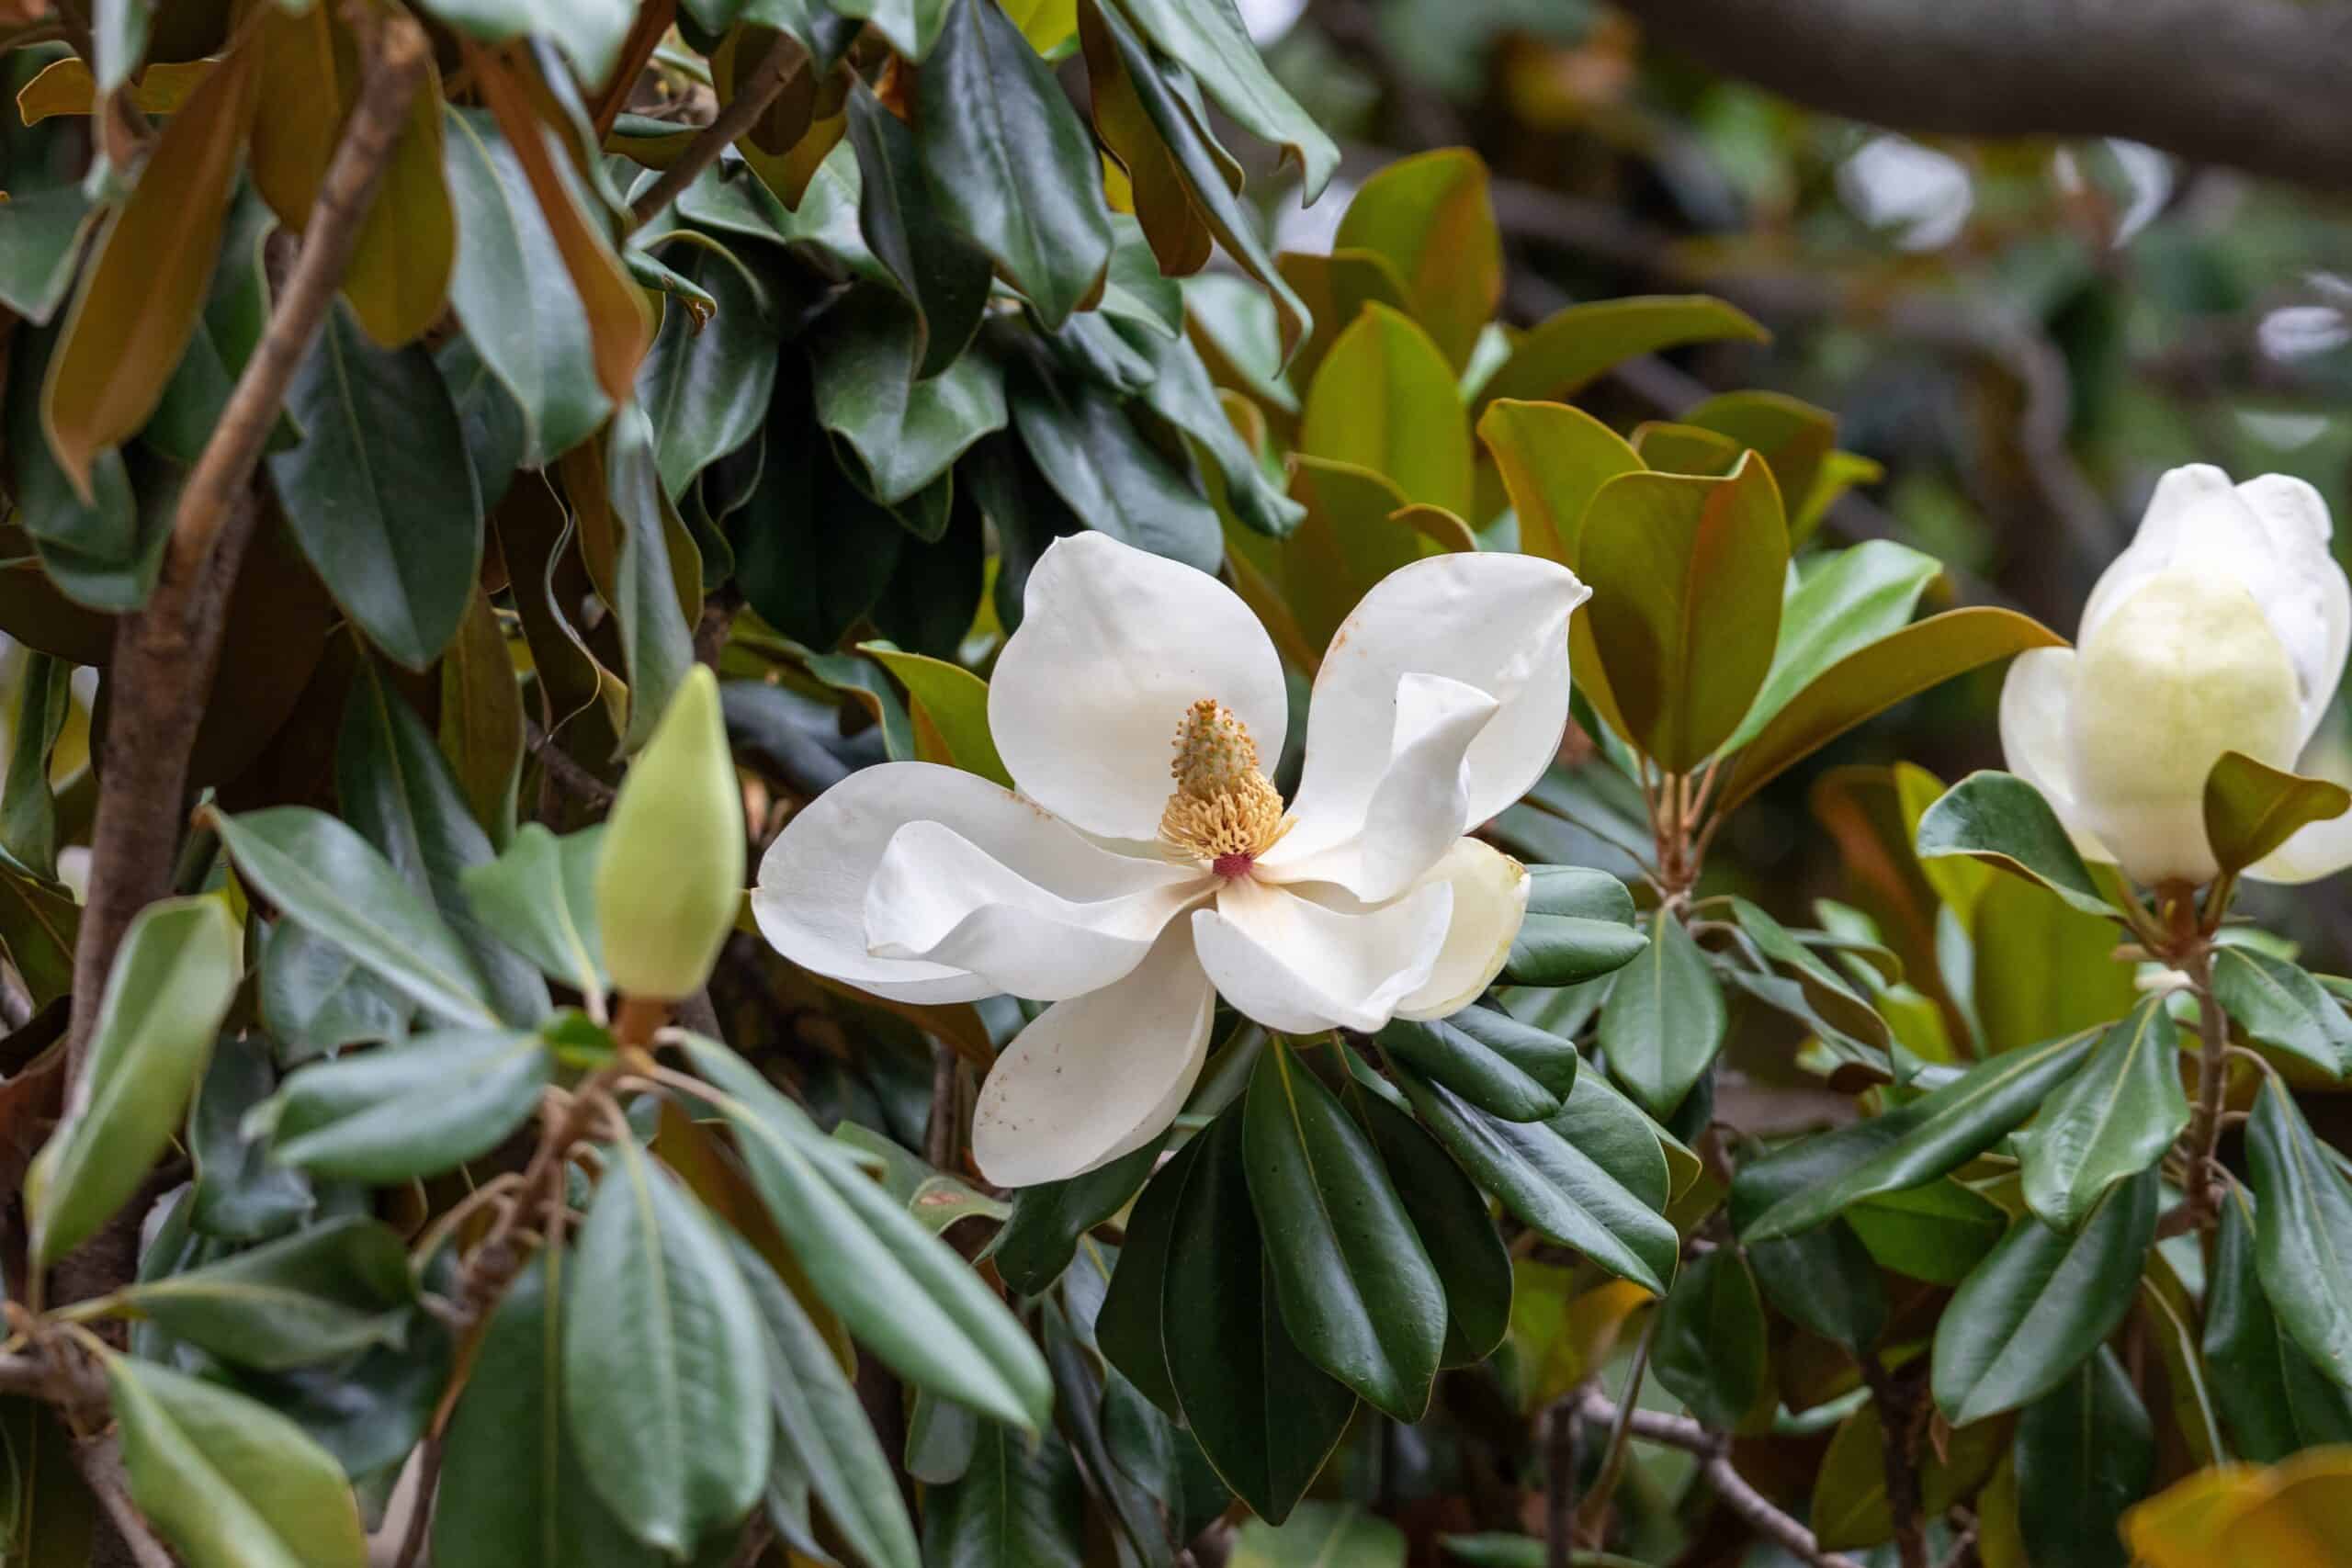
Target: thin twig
576, 779
100, 1461
420, 1506
1900, 1417
734, 118
2204, 1135
1594, 1512
1714, 1452
1562, 1452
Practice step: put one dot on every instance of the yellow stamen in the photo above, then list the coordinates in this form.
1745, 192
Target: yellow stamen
1223, 812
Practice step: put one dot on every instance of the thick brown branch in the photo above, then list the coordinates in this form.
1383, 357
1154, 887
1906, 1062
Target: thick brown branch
165, 655
734, 118
100, 1461
2255, 84
1713, 1450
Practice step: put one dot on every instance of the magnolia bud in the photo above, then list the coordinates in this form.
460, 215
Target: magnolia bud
672, 872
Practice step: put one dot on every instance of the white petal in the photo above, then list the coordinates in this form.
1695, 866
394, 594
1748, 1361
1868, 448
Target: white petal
1098, 1075
1419, 807
2319, 849
2180, 494
937, 896
2312, 609
1114, 645
1489, 901
810, 901
1297, 964
2037, 706
1495, 622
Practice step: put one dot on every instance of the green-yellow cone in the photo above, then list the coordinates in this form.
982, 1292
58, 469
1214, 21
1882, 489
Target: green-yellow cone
671, 873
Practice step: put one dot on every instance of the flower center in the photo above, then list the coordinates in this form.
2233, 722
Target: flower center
1224, 813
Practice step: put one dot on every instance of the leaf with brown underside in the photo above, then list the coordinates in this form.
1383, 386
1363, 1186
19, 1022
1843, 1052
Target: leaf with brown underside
2251, 808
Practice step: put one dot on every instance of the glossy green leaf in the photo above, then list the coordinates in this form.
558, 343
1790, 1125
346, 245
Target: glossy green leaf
1504, 1067
954, 702
541, 898
1042, 1235
905, 1294
1129, 1327
230, 1483
171, 984
1010, 161
912, 26
1358, 1293
1351, 538
1591, 1178
1431, 218
105, 528
1873, 679
1844, 605
1335, 288
2251, 808
1828, 1282
40, 239
2086, 1451
657, 635
1267, 1434
1686, 577
2040, 1303
1665, 1018
1935, 1232
820, 1425
705, 385
410, 1110
322, 875
243, 1191
1449, 1214
317, 997
943, 274
1827, 992
316, 1295
1686, 449
513, 1494
2004, 821
1569, 348
378, 491
1383, 398
1019, 1503
905, 433
1207, 37
1089, 453
2274, 1400
39, 922
2303, 1230
1180, 393
512, 293
1710, 1351
2041, 967
1794, 436
1814, 1178
665, 1366
2279, 1005
2110, 1120
395, 786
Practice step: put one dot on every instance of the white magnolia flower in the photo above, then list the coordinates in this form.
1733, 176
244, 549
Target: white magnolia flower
2224, 628
1130, 906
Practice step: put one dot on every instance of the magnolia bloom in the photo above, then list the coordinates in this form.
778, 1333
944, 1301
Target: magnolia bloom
1129, 890
2224, 628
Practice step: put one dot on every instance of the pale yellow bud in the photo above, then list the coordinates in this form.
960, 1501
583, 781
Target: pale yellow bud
2186, 667
672, 872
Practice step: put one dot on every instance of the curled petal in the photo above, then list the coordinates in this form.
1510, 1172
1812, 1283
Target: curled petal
1497, 623
1114, 645
2314, 616
2037, 706
811, 899
1300, 964
1489, 901
937, 896
1098, 1075
1419, 807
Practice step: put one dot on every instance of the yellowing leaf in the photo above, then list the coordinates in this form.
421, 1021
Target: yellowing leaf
954, 702
65, 87
1383, 398
1430, 217
137, 306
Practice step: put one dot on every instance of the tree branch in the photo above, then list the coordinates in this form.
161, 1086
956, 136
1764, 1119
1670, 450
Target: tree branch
2257, 85
165, 656
100, 1461
734, 118
1714, 1452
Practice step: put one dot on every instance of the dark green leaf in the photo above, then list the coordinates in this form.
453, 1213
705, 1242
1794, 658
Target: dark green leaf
1449, 1214
665, 1372
2111, 1120
2002, 820
540, 896
28, 808
1505, 1067
1800, 1187
2283, 1007
1593, 1178
1710, 1351
40, 236
2252, 809
1038, 1242
322, 1294
1936, 1232
379, 492
1266, 1433
2040, 1303
105, 531
1665, 1018
657, 640
317, 997
905, 433
1008, 161
497, 436
1358, 1293
1129, 1326
243, 1191
1827, 1281
1019, 1504
1181, 394
705, 384
1094, 461
812, 553
945, 275
2084, 1453
2303, 1230
410, 1110
2274, 1400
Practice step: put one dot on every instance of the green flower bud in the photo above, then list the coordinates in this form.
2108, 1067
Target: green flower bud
671, 873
